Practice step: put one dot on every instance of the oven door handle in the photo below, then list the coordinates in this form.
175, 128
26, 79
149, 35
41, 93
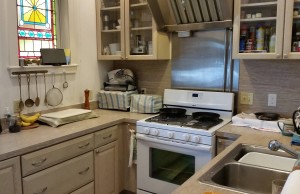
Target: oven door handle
198, 147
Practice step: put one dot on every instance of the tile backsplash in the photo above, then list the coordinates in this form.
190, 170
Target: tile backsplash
260, 77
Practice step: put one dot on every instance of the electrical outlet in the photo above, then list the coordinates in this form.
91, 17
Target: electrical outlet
246, 98
16, 106
143, 91
272, 99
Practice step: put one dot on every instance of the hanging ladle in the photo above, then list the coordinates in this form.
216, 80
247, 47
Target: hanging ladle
21, 103
37, 99
29, 102
65, 84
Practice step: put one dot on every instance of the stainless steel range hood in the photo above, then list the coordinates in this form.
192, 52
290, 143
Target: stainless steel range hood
186, 15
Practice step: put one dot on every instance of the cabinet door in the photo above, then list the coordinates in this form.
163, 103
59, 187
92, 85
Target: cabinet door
106, 169
291, 49
110, 29
10, 176
87, 189
258, 29
143, 41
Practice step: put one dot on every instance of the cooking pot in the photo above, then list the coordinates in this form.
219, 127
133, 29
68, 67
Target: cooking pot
296, 119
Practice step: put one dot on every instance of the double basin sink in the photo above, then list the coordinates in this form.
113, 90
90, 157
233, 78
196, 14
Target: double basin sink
249, 169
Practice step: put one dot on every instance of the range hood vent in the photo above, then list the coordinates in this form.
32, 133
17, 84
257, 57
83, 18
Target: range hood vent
186, 15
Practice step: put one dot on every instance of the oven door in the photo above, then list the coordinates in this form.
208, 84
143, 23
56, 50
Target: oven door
164, 164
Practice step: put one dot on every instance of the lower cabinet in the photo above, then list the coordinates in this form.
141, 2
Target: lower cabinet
10, 176
106, 160
87, 189
62, 178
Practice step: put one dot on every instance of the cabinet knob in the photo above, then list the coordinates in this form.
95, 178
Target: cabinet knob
285, 56
42, 191
278, 56
97, 151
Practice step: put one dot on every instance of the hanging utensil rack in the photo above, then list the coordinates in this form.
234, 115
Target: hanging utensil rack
29, 72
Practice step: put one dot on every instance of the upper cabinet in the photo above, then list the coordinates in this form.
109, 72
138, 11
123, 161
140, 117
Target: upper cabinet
266, 29
127, 31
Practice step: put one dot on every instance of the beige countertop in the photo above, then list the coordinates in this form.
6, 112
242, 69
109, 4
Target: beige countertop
247, 136
14, 144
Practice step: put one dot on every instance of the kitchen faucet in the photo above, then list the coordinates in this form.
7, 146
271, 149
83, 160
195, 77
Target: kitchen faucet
275, 145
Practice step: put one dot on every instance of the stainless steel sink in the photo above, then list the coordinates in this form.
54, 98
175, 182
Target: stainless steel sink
228, 173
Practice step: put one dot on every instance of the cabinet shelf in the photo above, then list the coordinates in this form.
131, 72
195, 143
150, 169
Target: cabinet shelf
110, 31
142, 28
110, 8
138, 5
265, 4
259, 19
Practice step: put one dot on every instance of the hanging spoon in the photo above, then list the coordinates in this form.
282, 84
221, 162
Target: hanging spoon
37, 99
65, 84
45, 100
21, 103
29, 102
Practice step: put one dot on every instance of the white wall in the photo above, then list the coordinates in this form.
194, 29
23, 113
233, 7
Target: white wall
90, 73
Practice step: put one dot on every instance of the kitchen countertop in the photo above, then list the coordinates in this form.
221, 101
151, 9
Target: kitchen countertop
247, 136
14, 144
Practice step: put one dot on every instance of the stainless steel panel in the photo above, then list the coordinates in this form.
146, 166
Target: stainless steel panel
204, 10
189, 11
175, 11
203, 61
197, 11
212, 10
181, 9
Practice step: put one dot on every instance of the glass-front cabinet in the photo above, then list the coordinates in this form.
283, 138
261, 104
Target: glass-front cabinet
266, 29
258, 29
127, 31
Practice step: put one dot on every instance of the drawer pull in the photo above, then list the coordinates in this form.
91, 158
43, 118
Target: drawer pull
84, 171
42, 191
39, 163
97, 151
107, 137
84, 146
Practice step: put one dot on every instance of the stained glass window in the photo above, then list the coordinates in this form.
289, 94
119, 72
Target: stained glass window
36, 26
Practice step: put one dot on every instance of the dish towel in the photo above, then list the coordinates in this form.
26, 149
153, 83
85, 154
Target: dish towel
250, 120
132, 148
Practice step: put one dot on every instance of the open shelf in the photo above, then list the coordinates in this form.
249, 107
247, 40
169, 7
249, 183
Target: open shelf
69, 69
264, 4
259, 19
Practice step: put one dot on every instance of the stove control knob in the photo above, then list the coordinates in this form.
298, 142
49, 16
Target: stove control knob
197, 139
186, 137
155, 132
146, 131
170, 135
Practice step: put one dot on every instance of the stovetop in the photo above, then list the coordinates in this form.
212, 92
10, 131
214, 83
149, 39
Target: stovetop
185, 121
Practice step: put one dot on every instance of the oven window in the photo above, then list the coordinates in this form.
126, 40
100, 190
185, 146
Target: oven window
172, 167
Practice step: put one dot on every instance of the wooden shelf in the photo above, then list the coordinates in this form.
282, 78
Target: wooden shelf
110, 8
264, 4
136, 5
69, 69
142, 28
259, 19
110, 31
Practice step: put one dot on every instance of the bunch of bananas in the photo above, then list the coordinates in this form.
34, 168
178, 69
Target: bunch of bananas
28, 120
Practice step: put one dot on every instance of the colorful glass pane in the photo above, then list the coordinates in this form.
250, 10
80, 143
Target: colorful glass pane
36, 26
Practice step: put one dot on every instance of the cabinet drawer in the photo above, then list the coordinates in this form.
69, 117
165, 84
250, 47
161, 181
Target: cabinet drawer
50, 156
106, 136
62, 178
87, 189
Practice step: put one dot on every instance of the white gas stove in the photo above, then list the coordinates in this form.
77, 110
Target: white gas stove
171, 146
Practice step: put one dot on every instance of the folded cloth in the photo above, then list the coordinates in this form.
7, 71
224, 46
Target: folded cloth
250, 120
56, 119
115, 99
132, 148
